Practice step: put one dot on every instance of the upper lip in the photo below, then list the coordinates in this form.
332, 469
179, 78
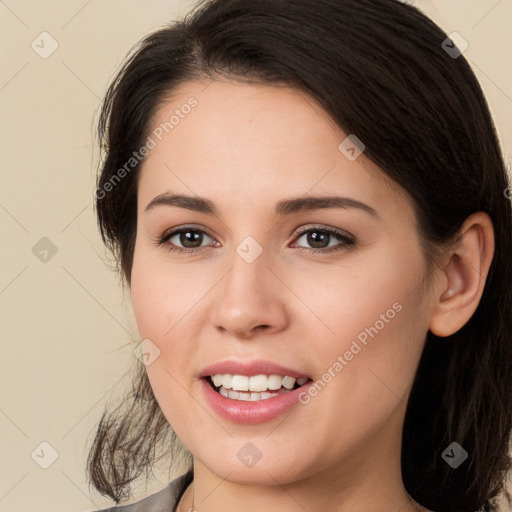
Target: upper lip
250, 368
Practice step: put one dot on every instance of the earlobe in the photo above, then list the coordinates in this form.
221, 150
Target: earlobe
463, 279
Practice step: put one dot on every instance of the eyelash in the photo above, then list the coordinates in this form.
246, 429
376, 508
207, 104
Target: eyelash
347, 241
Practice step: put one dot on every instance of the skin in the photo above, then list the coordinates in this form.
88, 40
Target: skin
246, 147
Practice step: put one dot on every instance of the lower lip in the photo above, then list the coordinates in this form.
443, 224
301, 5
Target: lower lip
240, 411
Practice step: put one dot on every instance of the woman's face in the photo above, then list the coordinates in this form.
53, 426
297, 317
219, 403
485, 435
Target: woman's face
352, 320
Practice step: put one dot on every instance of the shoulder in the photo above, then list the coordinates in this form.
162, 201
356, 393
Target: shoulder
162, 501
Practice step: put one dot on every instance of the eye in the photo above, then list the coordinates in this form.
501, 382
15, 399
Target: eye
319, 238
190, 238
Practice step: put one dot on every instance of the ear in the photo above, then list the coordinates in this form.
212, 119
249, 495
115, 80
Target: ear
462, 282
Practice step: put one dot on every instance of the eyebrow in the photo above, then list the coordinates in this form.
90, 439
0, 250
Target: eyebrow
282, 208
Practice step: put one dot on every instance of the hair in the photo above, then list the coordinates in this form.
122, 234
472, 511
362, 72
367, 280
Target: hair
379, 69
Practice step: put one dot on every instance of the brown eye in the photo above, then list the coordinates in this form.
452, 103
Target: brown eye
183, 239
190, 238
319, 238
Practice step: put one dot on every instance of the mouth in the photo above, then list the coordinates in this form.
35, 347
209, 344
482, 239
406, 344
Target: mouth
254, 388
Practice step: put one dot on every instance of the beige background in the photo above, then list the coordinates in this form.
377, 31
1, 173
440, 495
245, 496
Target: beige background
66, 328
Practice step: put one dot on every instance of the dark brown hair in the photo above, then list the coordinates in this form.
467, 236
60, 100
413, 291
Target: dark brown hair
382, 72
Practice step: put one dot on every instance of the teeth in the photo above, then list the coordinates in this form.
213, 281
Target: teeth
289, 382
240, 382
217, 380
260, 382
226, 381
255, 383
248, 397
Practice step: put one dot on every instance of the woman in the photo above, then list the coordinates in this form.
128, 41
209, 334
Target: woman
308, 203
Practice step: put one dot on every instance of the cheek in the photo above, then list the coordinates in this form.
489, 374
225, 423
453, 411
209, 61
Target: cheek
159, 301
365, 297
160, 295
372, 317
166, 301
381, 337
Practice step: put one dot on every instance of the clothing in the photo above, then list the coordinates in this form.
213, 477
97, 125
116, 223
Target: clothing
165, 500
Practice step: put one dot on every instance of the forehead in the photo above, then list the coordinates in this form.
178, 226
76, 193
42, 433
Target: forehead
252, 143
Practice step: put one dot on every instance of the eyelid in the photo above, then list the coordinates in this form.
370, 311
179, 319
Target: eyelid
331, 230
176, 230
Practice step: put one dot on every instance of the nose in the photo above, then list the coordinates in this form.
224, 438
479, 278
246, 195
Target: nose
250, 299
